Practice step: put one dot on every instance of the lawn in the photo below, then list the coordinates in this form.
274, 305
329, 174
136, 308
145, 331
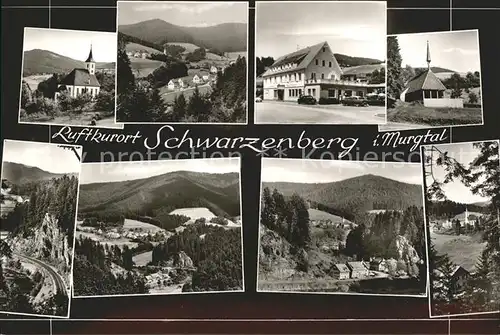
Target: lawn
194, 213
81, 119
169, 96
463, 250
419, 114
143, 67
134, 224
34, 80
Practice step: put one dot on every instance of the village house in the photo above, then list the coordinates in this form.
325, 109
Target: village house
428, 89
206, 77
311, 71
459, 278
379, 264
358, 270
197, 79
340, 271
81, 81
173, 84
213, 69
130, 54
181, 83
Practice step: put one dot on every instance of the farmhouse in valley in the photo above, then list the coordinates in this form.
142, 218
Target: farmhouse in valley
427, 88
197, 79
81, 81
340, 271
358, 270
459, 278
311, 71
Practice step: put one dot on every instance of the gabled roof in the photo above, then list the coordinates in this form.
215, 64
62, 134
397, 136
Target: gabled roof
426, 80
80, 77
302, 58
341, 267
359, 266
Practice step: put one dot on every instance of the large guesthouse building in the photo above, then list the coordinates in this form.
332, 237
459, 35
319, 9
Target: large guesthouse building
311, 71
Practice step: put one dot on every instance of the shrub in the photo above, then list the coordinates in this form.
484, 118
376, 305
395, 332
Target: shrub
328, 101
22, 113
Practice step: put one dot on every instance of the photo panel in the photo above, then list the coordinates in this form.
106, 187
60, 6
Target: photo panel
182, 62
352, 227
461, 189
159, 227
320, 62
68, 78
437, 80
40, 183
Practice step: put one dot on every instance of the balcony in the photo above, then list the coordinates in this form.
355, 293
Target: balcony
341, 83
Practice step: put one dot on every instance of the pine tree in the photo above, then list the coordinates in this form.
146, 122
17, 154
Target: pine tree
394, 82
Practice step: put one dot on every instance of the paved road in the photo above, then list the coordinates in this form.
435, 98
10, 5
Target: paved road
288, 112
56, 277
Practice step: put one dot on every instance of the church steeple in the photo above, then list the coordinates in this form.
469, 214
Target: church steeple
90, 63
428, 57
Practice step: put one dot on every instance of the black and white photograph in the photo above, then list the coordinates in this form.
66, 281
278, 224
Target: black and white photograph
159, 227
351, 227
38, 212
434, 80
462, 209
68, 78
182, 62
320, 62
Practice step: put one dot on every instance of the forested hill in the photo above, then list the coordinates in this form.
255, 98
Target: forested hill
358, 194
161, 194
448, 209
226, 37
16, 173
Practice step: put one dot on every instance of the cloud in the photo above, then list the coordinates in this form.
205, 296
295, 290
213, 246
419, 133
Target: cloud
183, 8
461, 51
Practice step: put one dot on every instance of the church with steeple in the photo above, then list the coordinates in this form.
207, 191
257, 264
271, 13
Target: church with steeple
81, 80
424, 86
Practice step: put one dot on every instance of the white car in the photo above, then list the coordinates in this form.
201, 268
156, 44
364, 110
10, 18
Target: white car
258, 99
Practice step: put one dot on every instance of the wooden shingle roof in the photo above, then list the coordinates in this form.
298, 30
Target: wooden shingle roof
426, 80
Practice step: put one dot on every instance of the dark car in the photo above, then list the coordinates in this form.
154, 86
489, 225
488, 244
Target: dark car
354, 101
306, 100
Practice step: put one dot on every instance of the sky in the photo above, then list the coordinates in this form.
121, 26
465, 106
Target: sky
464, 153
45, 156
127, 170
456, 50
326, 171
201, 14
354, 29
72, 43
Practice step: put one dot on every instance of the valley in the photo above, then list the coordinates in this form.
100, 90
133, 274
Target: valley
159, 235
358, 235
37, 239
185, 67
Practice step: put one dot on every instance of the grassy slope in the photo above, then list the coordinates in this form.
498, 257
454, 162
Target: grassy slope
419, 114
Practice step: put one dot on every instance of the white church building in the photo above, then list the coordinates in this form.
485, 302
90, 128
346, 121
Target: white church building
81, 81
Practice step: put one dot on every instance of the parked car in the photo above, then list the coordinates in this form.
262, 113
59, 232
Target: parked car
258, 99
354, 101
306, 100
